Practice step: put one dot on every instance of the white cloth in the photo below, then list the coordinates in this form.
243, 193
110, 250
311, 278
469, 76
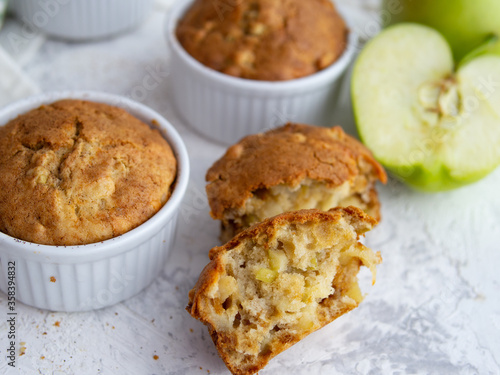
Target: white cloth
14, 84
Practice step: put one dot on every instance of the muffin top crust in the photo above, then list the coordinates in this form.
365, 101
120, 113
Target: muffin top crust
77, 172
286, 155
270, 40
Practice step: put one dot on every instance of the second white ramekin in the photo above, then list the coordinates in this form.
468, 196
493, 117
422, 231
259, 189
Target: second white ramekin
78, 20
86, 277
225, 108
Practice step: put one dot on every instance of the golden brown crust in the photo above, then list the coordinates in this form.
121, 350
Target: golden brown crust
286, 155
76, 172
200, 299
264, 39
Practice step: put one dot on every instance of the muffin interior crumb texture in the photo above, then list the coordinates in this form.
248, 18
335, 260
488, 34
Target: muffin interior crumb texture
268, 40
76, 172
267, 291
308, 194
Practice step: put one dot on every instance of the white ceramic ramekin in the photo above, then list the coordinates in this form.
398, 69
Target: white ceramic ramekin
225, 108
79, 278
81, 19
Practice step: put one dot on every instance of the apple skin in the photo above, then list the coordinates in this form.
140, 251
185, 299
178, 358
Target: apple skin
466, 24
432, 179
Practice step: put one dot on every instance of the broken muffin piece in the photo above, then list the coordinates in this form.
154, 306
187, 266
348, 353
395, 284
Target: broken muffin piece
280, 280
291, 168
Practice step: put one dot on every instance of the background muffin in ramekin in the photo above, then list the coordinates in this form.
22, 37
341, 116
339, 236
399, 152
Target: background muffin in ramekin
225, 107
90, 276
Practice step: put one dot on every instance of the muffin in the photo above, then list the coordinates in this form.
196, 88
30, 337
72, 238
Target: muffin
77, 172
279, 281
262, 39
290, 168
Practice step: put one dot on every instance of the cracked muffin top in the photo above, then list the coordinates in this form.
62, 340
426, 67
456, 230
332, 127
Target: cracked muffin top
288, 155
270, 40
77, 172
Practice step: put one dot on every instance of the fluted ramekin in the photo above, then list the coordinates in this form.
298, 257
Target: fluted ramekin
81, 19
225, 108
86, 277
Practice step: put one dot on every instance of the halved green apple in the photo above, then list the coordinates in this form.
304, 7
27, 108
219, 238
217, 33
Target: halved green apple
431, 126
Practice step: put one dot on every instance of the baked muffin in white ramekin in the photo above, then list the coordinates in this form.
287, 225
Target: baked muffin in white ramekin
99, 251
225, 105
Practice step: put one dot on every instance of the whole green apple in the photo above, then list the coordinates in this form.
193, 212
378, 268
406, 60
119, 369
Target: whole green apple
466, 24
433, 126
491, 47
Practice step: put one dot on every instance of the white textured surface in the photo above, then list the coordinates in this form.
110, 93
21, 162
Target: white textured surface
435, 308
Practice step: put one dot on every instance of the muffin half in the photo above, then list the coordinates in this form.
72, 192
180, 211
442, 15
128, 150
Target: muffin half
280, 280
291, 168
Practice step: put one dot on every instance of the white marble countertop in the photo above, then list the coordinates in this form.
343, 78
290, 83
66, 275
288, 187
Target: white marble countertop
435, 308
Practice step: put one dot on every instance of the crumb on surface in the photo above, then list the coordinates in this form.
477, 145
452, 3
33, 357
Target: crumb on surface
57, 324
52, 279
155, 357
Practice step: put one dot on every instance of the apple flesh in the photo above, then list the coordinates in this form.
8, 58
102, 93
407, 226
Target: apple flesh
432, 127
466, 24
